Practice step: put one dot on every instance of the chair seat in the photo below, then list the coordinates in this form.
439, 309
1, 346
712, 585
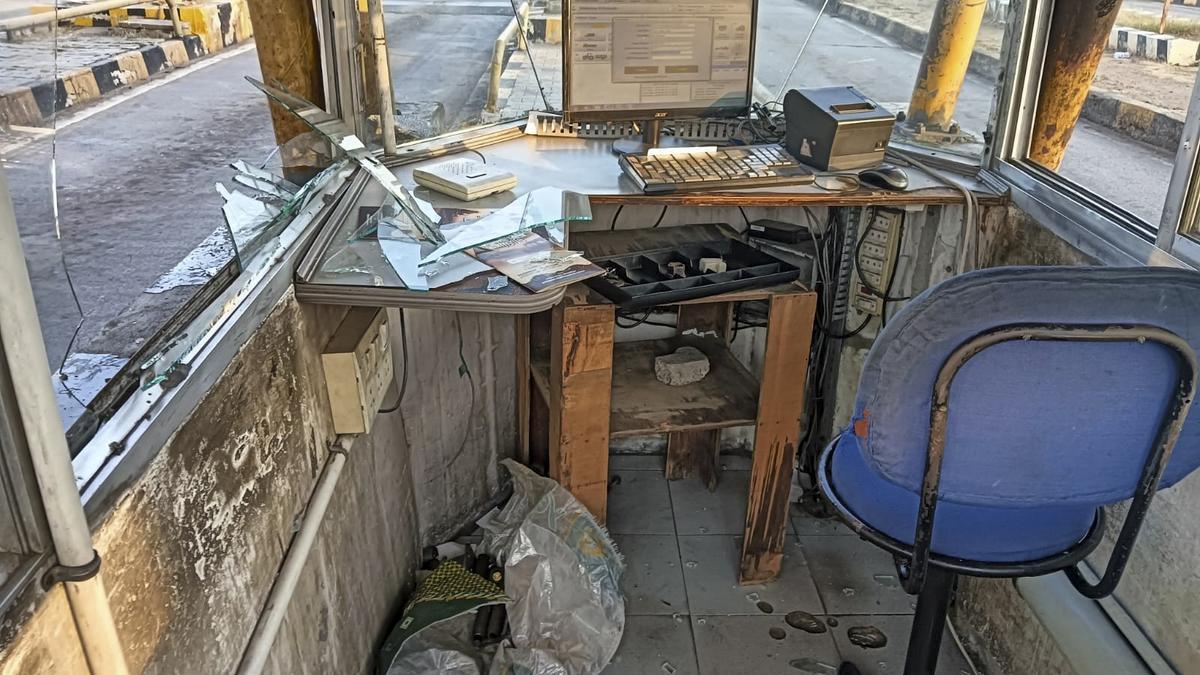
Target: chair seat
979, 533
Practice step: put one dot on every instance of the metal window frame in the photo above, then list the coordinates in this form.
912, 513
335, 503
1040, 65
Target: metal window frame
1096, 226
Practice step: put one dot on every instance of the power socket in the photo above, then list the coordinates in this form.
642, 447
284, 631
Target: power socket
358, 369
876, 251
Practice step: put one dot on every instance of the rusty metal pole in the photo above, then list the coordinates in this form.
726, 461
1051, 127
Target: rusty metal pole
952, 35
1074, 47
289, 55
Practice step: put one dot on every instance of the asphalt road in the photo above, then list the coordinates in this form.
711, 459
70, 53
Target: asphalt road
135, 196
439, 53
845, 53
140, 219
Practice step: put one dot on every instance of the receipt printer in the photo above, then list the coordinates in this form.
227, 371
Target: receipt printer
836, 128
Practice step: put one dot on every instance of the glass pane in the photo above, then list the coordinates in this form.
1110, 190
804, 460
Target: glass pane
121, 170
441, 58
1127, 117
877, 46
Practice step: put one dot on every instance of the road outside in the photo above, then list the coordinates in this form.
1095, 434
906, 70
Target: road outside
141, 222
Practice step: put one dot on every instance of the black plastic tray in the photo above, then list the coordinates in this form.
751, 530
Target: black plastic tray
642, 280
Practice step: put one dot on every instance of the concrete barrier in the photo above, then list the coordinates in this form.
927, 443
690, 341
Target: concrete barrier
1154, 46
214, 26
1135, 119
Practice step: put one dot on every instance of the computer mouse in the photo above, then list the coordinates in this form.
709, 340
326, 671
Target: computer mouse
885, 176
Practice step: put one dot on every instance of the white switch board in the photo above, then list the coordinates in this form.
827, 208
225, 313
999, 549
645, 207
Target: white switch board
358, 369
877, 249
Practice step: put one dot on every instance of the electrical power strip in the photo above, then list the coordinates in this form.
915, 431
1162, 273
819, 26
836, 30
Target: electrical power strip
702, 130
877, 248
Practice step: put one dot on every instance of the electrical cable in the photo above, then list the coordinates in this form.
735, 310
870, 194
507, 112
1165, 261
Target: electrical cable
463, 369
616, 215
532, 65
745, 218
481, 157
660, 217
803, 46
968, 249
404, 379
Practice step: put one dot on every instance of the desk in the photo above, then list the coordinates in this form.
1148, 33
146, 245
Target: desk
588, 389
571, 397
333, 272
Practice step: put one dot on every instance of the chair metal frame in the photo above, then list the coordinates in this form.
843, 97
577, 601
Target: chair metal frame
932, 576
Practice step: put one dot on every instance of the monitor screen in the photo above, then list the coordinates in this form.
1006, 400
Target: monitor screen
636, 59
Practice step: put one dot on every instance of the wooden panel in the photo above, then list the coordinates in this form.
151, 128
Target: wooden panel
581, 357
641, 404
777, 432
697, 453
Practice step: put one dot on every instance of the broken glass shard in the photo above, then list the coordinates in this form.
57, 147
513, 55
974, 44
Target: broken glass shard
546, 208
338, 133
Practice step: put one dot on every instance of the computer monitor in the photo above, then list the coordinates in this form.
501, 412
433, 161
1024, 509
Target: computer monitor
650, 60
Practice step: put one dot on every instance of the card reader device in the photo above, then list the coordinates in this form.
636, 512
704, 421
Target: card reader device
836, 128
464, 179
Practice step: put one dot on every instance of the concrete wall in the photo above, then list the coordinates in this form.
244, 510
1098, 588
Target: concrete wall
191, 551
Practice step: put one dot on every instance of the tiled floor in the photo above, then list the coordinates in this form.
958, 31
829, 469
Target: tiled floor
687, 615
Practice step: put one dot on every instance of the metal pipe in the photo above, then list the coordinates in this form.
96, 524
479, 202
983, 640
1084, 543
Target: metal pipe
952, 35
21, 336
52, 17
1074, 47
176, 24
254, 658
499, 49
383, 78
1084, 634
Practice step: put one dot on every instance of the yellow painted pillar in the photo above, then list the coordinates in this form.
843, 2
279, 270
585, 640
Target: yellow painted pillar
948, 51
1078, 33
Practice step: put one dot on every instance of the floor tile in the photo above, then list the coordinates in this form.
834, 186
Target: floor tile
639, 504
618, 463
743, 644
653, 579
651, 642
710, 572
854, 577
807, 525
890, 659
698, 511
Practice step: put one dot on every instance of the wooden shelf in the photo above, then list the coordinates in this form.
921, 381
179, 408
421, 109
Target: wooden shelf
726, 397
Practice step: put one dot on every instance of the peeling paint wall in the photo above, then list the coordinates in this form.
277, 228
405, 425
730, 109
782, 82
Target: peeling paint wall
191, 551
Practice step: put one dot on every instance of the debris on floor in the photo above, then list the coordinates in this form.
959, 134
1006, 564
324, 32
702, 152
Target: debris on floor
536, 593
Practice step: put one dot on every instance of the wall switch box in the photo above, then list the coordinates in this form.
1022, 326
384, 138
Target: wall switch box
358, 369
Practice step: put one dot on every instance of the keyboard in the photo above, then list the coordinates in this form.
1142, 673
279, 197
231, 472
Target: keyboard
727, 168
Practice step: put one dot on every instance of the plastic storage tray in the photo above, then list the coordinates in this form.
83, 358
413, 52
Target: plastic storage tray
644, 279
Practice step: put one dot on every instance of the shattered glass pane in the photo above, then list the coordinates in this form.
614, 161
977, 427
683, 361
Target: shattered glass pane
372, 251
341, 136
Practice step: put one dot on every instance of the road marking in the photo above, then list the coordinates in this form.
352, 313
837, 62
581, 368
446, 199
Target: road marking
133, 93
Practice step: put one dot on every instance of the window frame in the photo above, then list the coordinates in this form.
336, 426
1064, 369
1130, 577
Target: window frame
1085, 220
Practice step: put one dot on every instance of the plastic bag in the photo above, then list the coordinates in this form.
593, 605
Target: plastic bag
562, 576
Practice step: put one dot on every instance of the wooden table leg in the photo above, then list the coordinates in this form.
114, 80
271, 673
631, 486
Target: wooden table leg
697, 453
581, 349
780, 406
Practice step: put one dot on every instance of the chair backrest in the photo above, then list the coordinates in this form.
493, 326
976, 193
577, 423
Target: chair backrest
1032, 422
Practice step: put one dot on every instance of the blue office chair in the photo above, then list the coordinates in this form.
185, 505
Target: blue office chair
1001, 410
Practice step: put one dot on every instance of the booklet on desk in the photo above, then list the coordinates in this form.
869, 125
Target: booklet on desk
534, 262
